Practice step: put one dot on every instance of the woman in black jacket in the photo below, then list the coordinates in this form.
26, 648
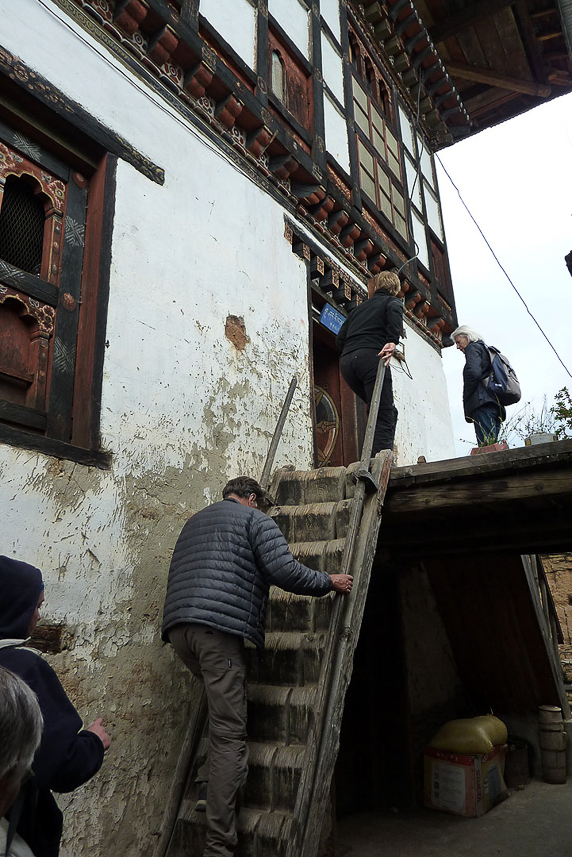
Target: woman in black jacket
68, 755
372, 331
480, 405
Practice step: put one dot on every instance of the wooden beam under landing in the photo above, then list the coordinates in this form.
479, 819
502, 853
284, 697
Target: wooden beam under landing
466, 17
518, 500
494, 78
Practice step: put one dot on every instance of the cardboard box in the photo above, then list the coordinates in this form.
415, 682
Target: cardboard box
462, 784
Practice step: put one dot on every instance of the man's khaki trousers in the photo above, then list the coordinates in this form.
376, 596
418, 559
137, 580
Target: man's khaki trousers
218, 660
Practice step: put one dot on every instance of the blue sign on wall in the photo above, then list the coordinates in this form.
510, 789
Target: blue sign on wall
331, 318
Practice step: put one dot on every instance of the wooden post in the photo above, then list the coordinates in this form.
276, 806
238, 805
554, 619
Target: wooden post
265, 478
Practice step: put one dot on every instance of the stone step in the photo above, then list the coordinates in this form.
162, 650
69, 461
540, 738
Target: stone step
325, 555
260, 833
287, 611
314, 522
273, 776
280, 715
289, 658
300, 487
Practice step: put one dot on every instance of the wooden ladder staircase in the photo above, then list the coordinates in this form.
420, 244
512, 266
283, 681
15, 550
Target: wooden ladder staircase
296, 687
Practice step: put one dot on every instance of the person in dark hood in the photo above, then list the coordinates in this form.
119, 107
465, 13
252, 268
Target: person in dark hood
68, 755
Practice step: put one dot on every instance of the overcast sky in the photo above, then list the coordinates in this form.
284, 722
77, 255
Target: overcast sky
517, 181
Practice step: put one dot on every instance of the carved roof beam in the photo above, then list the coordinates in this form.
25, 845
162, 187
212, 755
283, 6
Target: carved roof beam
493, 78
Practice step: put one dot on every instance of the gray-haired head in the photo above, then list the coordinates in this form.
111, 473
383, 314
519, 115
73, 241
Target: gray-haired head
469, 332
21, 726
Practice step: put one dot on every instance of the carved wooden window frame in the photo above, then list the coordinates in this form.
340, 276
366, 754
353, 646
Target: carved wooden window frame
63, 309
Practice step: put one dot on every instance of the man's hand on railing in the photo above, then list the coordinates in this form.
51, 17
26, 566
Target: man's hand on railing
342, 583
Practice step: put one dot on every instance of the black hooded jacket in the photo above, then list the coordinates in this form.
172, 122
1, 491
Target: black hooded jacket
372, 324
68, 756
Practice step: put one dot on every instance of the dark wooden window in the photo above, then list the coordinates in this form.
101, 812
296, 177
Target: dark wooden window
290, 81
379, 159
49, 292
277, 76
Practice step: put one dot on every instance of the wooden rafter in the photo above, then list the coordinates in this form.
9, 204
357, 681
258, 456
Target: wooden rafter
494, 78
466, 17
530, 42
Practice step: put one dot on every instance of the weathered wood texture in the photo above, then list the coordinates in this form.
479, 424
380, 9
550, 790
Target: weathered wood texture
494, 629
501, 55
517, 500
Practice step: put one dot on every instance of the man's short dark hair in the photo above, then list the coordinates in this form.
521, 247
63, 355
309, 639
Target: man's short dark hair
244, 486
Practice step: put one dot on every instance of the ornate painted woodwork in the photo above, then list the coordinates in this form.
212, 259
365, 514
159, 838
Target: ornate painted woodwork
47, 293
284, 142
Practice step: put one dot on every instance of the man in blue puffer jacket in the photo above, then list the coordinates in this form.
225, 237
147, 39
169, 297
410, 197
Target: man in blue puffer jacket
225, 560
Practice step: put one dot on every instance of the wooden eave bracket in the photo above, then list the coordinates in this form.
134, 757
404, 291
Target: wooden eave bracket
398, 29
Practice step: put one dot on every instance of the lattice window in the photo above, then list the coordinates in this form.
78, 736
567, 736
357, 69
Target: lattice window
379, 160
22, 220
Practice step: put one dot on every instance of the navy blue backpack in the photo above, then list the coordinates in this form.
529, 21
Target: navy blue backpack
502, 381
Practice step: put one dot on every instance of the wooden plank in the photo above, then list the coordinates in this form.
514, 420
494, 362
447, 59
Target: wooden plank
466, 17
67, 318
27, 283
545, 455
95, 297
196, 725
56, 448
494, 78
487, 610
471, 494
22, 415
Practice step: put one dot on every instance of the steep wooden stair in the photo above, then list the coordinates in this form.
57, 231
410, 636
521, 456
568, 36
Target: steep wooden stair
297, 685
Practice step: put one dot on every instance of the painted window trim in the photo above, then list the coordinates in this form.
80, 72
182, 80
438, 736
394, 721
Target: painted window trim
71, 425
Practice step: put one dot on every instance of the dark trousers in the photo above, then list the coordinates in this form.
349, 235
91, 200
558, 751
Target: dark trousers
359, 370
218, 660
487, 421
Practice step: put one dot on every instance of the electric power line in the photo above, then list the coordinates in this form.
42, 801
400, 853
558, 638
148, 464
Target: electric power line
497, 260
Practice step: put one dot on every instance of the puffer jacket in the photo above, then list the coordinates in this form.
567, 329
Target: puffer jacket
477, 368
225, 560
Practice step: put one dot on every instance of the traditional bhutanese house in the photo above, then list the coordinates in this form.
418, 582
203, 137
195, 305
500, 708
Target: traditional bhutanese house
194, 195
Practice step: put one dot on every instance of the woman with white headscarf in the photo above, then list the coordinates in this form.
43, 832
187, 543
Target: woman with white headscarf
481, 406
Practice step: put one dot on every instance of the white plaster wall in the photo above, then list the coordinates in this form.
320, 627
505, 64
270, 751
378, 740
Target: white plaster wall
330, 12
235, 20
292, 15
183, 410
336, 134
424, 422
332, 68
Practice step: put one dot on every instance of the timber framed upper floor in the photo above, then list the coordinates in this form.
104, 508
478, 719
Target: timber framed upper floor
337, 107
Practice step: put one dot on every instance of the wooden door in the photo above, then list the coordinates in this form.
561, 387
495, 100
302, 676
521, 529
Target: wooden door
339, 418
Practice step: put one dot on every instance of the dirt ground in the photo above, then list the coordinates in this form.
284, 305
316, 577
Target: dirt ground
534, 822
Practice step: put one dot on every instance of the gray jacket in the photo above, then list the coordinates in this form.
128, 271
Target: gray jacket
224, 562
